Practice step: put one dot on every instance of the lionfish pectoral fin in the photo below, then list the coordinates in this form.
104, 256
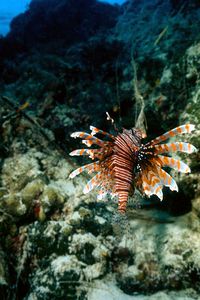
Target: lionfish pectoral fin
145, 184
80, 152
177, 146
167, 180
154, 185
187, 128
174, 164
79, 134
86, 136
158, 191
93, 167
92, 153
91, 141
88, 143
94, 182
95, 130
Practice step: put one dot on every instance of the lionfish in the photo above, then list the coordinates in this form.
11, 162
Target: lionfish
122, 163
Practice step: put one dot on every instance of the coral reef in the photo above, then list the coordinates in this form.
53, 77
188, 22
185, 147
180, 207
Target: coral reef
64, 241
64, 63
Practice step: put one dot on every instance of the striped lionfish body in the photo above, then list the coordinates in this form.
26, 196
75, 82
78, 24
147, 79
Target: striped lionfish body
122, 162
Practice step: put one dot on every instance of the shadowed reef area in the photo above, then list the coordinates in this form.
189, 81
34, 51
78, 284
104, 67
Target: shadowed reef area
64, 64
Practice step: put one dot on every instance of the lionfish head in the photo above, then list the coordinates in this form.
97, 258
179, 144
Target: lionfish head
135, 132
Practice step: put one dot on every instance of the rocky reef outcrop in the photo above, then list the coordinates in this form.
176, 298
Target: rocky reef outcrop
63, 65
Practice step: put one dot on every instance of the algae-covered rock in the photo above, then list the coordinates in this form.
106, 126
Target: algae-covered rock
192, 111
18, 171
94, 271
51, 197
59, 279
3, 270
101, 290
12, 203
164, 256
196, 206
32, 190
75, 241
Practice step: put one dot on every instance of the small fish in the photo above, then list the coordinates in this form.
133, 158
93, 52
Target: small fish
23, 106
162, 33
122, 163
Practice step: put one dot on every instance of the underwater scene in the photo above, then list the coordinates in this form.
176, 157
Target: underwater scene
99, 150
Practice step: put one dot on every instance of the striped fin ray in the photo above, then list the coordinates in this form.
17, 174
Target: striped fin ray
152, 185
167, 180
157, 190
187, 128
93, 167
94, 182
156, 185
174, 164
172, 147
96, 130
145, 183
88, 143
91, 152
145, 186
96, 141
87, 136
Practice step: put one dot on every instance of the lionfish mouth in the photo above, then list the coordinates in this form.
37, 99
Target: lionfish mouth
122, 162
